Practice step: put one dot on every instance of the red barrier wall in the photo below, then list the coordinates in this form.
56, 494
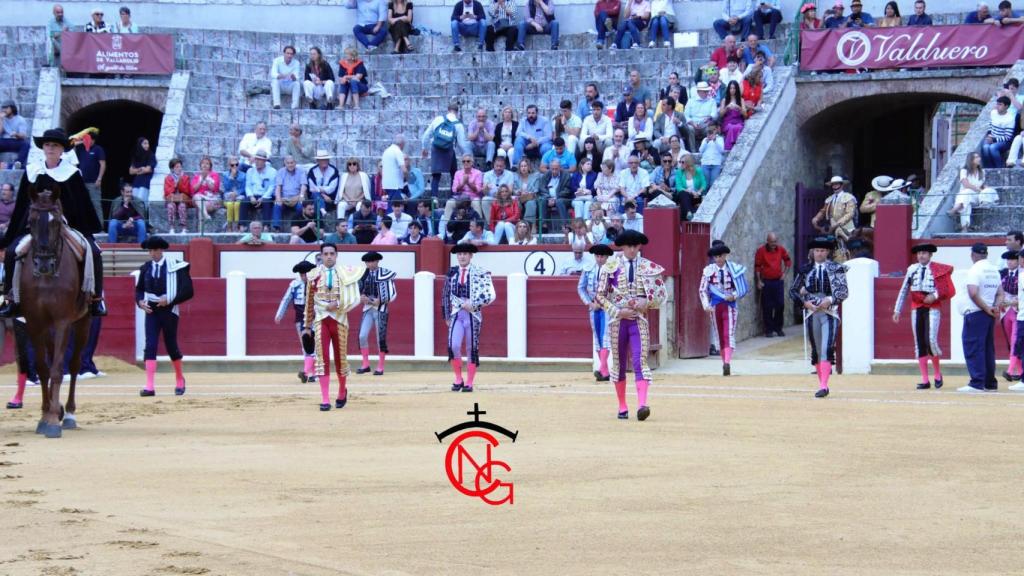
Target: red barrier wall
202, 329
117, 335
556, 319
493, 334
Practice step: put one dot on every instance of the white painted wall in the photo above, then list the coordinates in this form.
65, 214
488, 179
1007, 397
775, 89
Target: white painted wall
859, 316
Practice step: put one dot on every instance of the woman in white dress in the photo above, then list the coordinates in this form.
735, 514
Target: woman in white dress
972, 191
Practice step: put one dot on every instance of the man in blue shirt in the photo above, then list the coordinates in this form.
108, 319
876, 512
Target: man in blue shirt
736, 18
1007, 16
533, 138
260, 182
371, 23
14, 132
92, 163
559, 151
468, 19
836, 19
979, 16
752, 47
858, 17
919, 18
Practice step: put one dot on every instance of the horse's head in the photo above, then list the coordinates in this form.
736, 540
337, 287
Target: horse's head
45, 220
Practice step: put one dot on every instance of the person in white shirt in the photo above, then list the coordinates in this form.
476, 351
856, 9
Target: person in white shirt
253, 142
619, 150
598, 125
567, 125
576, 266
393, 171
980, 310
399, 219
322, 182
125, 24
633, 181
285, 74
712, 154
632, 220
478, 235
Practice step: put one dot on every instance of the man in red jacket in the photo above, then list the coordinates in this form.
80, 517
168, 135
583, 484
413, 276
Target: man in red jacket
929, 285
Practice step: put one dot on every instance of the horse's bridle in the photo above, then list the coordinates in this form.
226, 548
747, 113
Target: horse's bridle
43, 247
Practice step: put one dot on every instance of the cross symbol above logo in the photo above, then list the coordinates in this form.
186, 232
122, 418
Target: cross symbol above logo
476, 412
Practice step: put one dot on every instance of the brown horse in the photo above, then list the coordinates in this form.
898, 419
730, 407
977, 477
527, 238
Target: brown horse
53, 304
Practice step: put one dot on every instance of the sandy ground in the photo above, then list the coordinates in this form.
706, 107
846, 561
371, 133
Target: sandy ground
746, 475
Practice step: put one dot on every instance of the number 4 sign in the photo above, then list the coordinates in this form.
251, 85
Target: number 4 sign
539, 264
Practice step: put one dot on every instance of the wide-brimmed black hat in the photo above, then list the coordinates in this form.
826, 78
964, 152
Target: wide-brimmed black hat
1010, 255
631, 238
719, 250
601, 250
822, 242
465, 249
924, 248
57, 135
372, 257
155, 243
303, 267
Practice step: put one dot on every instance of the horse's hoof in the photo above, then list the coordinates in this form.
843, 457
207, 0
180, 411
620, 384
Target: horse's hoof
14, 405
69, 422
40, 427
52, 430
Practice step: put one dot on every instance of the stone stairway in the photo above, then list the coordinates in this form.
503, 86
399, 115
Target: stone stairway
22, 54
1007, 215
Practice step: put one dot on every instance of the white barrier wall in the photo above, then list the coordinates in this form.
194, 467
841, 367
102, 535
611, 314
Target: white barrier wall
858, 316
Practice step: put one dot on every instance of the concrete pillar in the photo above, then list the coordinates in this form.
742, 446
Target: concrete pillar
235, 314
516, 335
202, 258
859, 316
424, 306
892, 229
140, 323
956, 319
433, 256
661, 225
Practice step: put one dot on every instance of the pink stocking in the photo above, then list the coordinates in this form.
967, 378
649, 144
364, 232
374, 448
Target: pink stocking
471, 368
342, 388
380, 362
727, 354
366, 357
19, 394
922, 363
179, 378
620, 391
150, 374
824, 371
602, 355
325, 387
307, 365
457, 368
935, 368
641, 392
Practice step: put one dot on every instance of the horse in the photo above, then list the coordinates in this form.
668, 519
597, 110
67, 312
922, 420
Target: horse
54, 305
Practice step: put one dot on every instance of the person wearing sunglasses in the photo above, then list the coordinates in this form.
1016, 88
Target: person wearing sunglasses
96, 25
234, 189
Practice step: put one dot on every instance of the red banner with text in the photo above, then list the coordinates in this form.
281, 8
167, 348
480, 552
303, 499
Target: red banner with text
117, 53
911, 47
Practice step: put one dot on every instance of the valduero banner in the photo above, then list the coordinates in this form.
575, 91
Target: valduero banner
911, 47
117, 53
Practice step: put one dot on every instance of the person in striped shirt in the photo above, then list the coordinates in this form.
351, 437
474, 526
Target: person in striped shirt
1000, 134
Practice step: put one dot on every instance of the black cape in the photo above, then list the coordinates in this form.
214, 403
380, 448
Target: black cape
74, 199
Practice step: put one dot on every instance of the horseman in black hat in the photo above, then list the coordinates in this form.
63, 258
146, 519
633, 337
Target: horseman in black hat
76, 205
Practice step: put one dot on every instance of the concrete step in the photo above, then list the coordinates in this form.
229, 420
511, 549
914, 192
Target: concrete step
1003, 177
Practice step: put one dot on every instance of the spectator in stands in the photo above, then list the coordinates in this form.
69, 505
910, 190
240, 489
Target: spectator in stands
494, 179
590, 95
606, 187
567, 125
371, 23
442, 139
979, 16
467, 186
54, 29
619, 151
524, 235
582, 187
481, 136
425, 218
458, 225
606, 14
561, 152
260, 182
765, 13
752, 47
625, 109
125, 218
399, 219
400, 25
835, 18
256, 236
661, 180
468, 20
299, 149
670, 122
919, 18
689, 185
364, 223
1000, 133
478, 234
96, 25
633, 182
731, 72
253, 142
285, 74
597, 125
727, 50
676, 149
289, 193
341, 235
972, 191
715, 87
597, 223
504, 215
177, 195
393, 171
614, 228
649, 157
673, 84
503, 25
590, 152
1011, 89
858, 17
206, 189
554, 193
712, 154
760, 62
353, 190
534, 137
700, 112
538, 18
506, 131
125, 24
634, 21
733, 113
6, 204
640, 126
322, 181
809, 17
753, 89
892, 17
234, 192
141, 170
663, 20
304, 225
318, 80
1006, 16
14, 133
579, 236
631, 219
641, 94
352, 82
415, 235
92, 162
415, 183
736, 18
524, 189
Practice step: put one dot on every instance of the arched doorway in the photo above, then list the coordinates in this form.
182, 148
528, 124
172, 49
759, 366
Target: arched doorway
121, 123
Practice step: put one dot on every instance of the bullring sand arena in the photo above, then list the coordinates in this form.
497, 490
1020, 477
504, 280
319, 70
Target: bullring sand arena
746, 475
